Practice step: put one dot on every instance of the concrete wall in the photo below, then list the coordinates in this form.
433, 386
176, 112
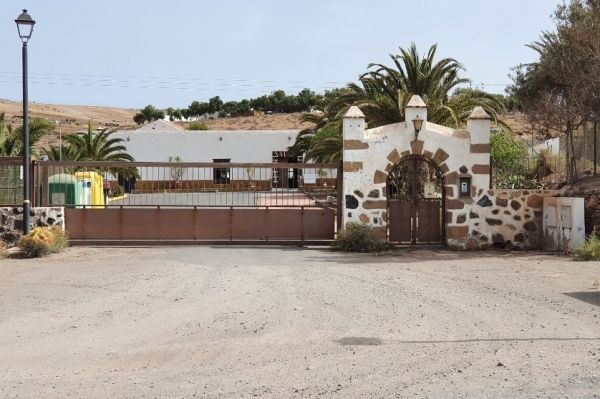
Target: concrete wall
564, 223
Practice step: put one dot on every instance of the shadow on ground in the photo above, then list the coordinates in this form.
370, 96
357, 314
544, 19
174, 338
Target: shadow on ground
415, 255
592, 297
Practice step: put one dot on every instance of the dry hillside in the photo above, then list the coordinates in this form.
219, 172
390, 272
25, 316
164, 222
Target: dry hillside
74, 118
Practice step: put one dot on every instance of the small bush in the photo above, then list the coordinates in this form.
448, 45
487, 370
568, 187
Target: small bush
42, 241
197, 126
61, 240
357, 237
590, 249
3, 250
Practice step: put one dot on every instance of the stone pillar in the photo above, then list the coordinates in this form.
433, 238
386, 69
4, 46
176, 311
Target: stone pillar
478, 126
353, 132
416, 107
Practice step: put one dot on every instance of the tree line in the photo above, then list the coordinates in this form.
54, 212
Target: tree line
561, 90
276, 102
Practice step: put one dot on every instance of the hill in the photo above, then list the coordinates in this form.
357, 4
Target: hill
73, 118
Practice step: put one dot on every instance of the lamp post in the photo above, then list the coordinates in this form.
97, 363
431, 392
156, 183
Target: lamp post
25, 27
418, 124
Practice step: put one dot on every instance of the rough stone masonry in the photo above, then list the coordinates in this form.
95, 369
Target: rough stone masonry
11, 221
485, 218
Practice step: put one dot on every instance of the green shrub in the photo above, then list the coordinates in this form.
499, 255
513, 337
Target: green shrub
357, 237
590, 249
42, 241
198, 126
119, 191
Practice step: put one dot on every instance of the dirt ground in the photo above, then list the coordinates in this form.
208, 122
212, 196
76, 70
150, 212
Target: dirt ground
229, 322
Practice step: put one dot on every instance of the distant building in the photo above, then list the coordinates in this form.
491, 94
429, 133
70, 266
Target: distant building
159, 140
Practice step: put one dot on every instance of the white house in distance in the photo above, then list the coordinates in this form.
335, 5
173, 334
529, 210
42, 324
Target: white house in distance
159, 140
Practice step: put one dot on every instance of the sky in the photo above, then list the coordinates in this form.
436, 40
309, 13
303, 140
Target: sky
131, 53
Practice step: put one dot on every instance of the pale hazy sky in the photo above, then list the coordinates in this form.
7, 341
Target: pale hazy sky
168, 53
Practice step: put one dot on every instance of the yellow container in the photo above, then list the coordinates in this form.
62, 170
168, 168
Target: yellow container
92, 185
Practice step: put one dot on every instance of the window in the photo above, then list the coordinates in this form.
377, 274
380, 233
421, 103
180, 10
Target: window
221, 175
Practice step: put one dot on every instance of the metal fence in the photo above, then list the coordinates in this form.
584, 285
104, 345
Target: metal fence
11, 181
546, 167
171, 185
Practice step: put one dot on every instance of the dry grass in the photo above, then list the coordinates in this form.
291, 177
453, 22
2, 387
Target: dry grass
3, 250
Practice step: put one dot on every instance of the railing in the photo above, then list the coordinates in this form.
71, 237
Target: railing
184, 184
11, 181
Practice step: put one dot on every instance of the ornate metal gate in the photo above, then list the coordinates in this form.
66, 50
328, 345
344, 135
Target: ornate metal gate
416, 202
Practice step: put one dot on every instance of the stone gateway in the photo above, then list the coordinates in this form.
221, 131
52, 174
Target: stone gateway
443, 194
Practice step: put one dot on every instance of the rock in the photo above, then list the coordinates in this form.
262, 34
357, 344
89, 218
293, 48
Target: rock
530, 226
520, 237
503, 202
498, 238
374, 194
535, 201
485, 202
462, 218
493, 222
472, 244
473, 215
516, 205
351, 202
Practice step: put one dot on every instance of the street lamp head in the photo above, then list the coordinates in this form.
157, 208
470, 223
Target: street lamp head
418, 124
25, 26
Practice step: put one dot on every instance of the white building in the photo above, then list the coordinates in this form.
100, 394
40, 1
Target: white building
159, 140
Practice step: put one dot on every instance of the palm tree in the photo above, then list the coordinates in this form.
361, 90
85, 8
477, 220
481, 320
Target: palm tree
11, 140
383, 92
94, 147
91, 147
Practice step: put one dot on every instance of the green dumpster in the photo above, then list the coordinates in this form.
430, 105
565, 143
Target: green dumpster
64, 189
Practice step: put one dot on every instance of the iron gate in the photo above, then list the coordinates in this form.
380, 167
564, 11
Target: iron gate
190, 202
416, 202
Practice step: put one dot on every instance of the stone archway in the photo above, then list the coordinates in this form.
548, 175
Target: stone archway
461, 156
416, 195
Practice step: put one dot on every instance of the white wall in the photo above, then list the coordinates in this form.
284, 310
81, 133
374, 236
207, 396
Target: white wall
240, 146
204, 146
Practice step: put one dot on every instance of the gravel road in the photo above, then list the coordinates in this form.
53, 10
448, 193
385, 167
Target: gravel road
229, 322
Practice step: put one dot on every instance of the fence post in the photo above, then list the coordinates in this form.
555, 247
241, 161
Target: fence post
595, 147
339, 191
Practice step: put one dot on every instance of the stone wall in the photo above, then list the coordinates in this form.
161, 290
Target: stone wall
11, 221
499, 219
370, 154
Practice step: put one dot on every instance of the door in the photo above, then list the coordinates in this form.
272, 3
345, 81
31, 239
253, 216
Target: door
415, 202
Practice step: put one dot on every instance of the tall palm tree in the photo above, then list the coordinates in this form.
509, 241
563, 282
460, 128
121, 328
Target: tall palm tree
91, 147
94, 147
11, 139
383, 92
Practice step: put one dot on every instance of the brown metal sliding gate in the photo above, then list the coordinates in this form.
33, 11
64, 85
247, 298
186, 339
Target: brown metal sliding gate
233, 225
191, 202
